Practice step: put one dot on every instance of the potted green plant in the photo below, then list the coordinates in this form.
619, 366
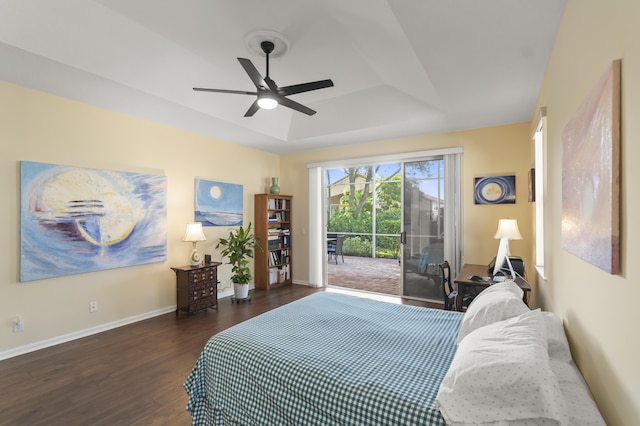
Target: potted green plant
238, 248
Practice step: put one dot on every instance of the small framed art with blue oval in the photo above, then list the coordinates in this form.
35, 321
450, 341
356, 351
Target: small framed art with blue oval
495, 190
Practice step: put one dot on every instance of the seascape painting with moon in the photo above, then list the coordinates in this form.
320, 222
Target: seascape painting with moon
218, 203
75, 220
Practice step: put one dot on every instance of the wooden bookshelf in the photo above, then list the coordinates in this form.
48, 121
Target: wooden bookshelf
272, 227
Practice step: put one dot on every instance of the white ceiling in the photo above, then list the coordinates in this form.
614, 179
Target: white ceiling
400, 67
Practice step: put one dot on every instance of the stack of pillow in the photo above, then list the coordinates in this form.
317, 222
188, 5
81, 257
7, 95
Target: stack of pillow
513, 367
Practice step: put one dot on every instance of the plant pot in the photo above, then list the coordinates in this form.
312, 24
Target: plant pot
240, 291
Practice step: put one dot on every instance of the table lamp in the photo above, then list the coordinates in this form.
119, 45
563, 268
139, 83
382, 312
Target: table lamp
507, 230
194, 234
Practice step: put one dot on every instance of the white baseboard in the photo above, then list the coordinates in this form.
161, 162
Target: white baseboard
82, 333
225, 294
100, 328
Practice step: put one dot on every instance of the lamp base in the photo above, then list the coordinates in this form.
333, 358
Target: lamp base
516, 262
195, 258
513, 273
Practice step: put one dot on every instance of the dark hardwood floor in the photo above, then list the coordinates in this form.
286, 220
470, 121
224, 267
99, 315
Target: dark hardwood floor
131, 375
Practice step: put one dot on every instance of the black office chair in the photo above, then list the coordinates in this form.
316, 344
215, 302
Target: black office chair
447, 288
336, 249
448, 291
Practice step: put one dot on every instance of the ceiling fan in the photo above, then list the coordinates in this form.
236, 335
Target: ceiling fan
269, 95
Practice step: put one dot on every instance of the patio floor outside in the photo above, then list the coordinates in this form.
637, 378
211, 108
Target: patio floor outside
369, 274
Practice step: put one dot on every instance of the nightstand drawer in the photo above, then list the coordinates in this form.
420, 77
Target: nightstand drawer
202, 275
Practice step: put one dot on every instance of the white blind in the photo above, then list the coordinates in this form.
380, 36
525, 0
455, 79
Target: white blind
316, 240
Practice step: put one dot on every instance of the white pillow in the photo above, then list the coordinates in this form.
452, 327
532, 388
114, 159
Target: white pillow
557, 344
501, 375
498, 302
581, 408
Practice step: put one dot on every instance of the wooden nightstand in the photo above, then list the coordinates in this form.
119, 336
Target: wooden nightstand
197, 287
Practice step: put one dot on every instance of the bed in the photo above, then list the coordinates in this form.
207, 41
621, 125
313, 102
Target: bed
336, 359
326, 359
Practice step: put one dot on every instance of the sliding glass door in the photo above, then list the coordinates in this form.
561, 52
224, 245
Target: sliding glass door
431, 224
423, 229
397, 220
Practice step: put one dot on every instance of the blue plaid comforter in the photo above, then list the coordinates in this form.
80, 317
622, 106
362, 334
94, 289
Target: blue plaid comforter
326, 359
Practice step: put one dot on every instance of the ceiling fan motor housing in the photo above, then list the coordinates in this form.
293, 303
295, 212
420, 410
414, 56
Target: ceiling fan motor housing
267, 47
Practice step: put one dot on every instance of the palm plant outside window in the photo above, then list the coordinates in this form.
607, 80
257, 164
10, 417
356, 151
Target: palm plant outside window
364, 205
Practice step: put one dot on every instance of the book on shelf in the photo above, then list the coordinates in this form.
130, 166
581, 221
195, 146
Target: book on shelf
278, 257
277, 217
274, 244
276, 204
277, 232
273, 276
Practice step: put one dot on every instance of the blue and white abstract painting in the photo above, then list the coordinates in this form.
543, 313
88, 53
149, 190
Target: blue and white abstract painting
75, 220
495, 190
218, 203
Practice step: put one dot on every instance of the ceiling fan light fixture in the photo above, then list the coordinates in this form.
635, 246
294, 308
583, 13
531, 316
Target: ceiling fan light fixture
267, 102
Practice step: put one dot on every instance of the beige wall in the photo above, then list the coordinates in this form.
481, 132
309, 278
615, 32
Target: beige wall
600, 310
39, 127
490, 151
44, 128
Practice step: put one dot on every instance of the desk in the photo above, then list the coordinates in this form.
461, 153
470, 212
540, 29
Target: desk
463, 282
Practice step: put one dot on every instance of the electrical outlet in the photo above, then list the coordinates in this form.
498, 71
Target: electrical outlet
93, 307
18, 324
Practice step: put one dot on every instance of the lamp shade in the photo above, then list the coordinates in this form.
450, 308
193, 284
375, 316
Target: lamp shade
508, 228
194, 232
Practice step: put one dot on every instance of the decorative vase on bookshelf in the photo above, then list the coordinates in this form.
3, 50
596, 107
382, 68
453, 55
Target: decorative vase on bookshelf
274, 189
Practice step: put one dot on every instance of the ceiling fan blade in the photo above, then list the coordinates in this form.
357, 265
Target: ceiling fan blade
294, 105
237, 92
254, 75
305, 87
252, 109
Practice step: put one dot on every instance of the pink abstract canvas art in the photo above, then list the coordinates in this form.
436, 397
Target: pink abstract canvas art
591, 176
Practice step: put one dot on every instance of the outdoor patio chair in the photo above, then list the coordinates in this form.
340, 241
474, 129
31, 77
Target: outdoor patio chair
333, 250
